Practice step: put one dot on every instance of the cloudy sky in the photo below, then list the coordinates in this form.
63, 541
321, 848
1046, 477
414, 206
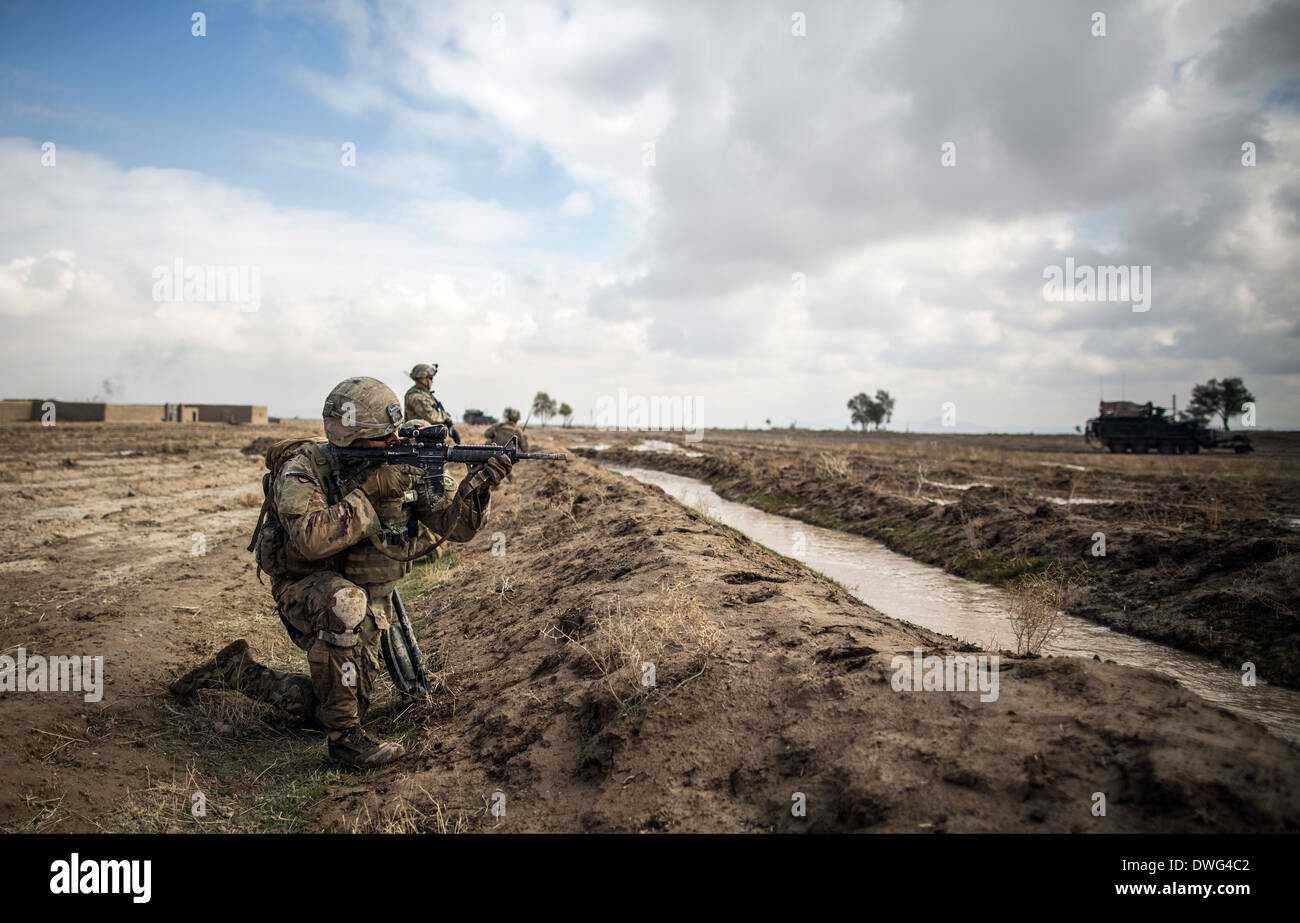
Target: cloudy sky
745, 204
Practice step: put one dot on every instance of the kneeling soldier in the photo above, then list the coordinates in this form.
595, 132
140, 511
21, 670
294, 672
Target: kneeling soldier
334, 560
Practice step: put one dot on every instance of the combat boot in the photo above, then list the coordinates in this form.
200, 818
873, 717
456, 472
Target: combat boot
358, 750
215, 673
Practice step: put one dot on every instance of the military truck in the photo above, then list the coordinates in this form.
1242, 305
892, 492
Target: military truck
478, 418
1126, 426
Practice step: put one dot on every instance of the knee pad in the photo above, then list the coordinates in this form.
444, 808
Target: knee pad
347, 611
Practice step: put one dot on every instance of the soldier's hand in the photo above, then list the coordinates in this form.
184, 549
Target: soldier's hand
497, 469
489, 475
390, 482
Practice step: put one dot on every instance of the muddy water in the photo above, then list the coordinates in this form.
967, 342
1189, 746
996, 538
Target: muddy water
924, 595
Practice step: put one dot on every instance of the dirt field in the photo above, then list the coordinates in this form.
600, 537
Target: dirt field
770, 682
1200, 551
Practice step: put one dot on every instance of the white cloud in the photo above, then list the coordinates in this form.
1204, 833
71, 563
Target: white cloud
576, 203
774, 155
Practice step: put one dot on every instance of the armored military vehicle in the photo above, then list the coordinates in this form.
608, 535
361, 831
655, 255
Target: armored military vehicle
478, 418
1126, 426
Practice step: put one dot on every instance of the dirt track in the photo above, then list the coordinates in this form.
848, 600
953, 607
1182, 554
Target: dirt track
770, 681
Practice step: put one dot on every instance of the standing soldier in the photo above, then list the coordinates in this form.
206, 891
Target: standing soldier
423, 404
500, 433
334, 559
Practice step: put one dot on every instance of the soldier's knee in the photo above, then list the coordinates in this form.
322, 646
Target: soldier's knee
345, 612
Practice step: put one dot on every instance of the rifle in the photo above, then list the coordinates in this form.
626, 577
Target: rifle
426, 448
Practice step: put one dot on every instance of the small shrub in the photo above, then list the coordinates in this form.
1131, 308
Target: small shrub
1035, 603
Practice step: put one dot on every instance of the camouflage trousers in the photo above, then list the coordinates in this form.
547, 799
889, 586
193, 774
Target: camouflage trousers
338, 623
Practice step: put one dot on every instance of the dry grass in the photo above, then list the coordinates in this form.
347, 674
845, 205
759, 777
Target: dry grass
832, 465
1036, 601
626, 637
971, 526
404, 815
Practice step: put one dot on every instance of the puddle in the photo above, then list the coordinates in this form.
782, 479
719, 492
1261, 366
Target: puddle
658, 445
903, 588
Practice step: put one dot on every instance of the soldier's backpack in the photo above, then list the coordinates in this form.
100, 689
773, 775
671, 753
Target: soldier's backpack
268, 541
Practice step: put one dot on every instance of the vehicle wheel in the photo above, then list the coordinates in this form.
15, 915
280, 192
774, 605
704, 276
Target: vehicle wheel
1167, 448
1112, 447
1241, 449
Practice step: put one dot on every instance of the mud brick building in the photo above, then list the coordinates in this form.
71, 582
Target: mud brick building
230, 413
20, 411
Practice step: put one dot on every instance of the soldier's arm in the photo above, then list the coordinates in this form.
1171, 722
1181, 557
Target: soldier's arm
316, 528
458, 518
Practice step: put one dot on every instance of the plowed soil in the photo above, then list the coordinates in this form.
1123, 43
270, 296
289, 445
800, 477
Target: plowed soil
771, 685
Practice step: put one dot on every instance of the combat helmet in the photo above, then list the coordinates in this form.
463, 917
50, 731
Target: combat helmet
424, 370
360, 408
511, 414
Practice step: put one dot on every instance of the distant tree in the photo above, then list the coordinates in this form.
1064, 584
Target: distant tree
885, 405
543, 406
862, 410
1222, 399
567, 412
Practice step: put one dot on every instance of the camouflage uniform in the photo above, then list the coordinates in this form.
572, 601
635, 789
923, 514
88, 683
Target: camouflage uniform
337, 594
420, 402
334, 560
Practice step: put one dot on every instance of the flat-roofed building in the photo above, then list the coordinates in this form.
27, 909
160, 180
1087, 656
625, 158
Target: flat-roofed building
22, 411
231, 413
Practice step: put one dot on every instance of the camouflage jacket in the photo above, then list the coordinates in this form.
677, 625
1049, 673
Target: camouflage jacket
422, 405
324, 532
500, 433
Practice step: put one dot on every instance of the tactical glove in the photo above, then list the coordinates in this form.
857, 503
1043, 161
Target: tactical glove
390, 482
487, 476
